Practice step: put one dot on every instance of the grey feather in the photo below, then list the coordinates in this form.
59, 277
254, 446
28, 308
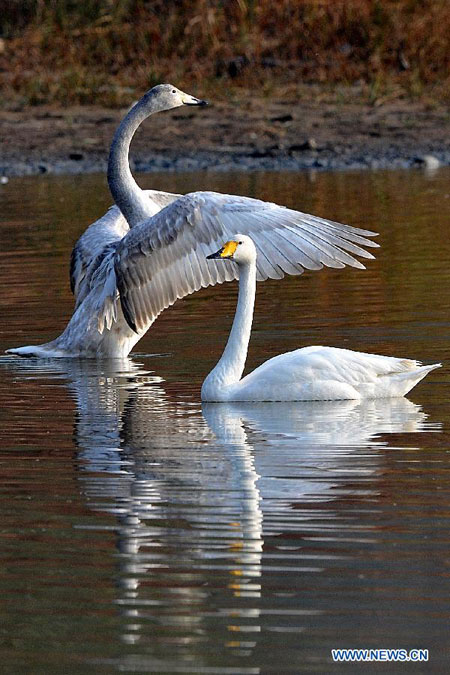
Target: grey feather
164, 258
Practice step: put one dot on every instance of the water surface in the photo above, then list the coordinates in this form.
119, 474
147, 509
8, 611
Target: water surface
144, 532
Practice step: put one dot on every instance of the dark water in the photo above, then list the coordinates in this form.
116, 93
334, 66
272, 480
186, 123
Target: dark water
143, 532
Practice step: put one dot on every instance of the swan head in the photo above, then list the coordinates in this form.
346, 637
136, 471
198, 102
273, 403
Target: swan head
240, 249
166, 97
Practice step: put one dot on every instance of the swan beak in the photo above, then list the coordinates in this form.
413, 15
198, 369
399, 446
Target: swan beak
227, 251
191, 100
217, 254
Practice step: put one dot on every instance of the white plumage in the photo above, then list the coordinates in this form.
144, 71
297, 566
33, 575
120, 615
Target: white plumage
150, 249
308, 374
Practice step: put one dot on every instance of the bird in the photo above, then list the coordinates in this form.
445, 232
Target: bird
150, 248
313, 373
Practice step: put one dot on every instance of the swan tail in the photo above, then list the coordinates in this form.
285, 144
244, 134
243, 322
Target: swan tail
36, 351
31, 350
400, 383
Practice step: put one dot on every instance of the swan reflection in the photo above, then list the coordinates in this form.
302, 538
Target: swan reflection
195, 490
307, 450
322, 422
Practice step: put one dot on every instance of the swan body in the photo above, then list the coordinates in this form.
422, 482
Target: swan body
150, 249
309, 374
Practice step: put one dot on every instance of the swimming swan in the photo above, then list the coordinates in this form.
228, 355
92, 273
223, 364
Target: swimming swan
150, 248
307, 374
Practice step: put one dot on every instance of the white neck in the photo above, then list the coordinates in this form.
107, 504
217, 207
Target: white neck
231, 365
127, 194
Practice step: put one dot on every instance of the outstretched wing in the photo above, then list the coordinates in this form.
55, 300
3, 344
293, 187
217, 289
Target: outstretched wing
164, 258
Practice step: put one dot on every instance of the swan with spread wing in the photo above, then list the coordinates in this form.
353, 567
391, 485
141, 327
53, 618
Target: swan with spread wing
150, 249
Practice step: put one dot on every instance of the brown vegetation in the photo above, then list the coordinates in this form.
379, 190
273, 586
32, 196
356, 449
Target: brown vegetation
108, 51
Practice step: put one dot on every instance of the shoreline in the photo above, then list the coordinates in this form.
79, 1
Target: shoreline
249, 136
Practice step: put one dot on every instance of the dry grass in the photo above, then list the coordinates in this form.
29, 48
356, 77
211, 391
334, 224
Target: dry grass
108, 51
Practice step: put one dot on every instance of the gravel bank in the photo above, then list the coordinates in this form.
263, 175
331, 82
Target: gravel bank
250, 136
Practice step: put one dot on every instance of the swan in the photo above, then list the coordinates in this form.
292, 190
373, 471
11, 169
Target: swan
307, 374
150, 248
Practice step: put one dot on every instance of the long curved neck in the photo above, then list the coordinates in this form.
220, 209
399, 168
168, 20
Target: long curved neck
231, 365
127, 194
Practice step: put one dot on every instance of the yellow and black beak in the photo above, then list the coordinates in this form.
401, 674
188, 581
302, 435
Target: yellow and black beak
227, 251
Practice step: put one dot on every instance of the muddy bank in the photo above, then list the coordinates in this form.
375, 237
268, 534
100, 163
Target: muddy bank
248, 136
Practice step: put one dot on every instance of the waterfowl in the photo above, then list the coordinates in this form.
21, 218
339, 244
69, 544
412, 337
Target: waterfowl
307, 374
150, 248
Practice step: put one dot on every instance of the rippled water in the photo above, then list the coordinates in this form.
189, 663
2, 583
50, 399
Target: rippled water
144, 532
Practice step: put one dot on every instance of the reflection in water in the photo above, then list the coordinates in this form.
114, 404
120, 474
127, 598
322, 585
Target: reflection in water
321, 434
178, 508
243, 538
196, 492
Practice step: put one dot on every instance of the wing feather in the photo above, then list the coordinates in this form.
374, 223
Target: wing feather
330, 236
91, 248
164, 258
322, 250
304, 261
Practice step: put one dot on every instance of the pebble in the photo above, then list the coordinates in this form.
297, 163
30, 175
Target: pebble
431, 162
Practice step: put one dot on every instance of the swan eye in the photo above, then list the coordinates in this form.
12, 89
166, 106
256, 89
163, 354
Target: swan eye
240, 242
174, 91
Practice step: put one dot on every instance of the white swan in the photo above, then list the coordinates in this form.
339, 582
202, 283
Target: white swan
150, 249
307, 374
